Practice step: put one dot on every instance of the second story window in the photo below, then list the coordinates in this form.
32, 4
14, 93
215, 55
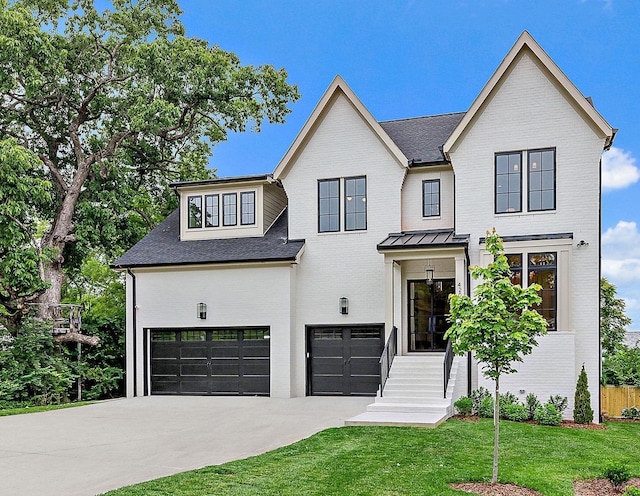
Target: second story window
229, 209
431, 198
542, 179
508, 182
211, 210
195, 211
247, 208
329, 205
355, 204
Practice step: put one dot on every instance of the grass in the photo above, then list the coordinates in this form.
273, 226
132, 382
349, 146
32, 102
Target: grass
46, 408
394, 461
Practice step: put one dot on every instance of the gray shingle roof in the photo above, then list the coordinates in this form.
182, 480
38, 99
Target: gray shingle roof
162, 246
421, 138
423, 239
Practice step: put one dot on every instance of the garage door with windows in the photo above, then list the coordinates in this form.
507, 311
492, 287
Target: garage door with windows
344, 360
229, 361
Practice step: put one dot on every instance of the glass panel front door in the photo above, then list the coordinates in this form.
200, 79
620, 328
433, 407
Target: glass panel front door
428, 311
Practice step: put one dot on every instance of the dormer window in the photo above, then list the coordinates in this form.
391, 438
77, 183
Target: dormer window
195, 212
229, 209
212, 210
247, 208
221, 210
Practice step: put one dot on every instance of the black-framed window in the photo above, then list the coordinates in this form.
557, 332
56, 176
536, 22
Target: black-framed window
508, 182
355, 203
194, 211
431, 198
229, 209
543, 270
247, 208
211, 210
515, 265
328, 205
542, 179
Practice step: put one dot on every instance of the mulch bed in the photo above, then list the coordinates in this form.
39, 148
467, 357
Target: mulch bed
567, 424
593, 487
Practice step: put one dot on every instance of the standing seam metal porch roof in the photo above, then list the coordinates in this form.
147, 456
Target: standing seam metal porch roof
438, 238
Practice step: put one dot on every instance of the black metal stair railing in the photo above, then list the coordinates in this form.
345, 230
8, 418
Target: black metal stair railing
386, 359
448, 362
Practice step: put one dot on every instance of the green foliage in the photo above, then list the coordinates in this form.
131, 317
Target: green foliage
618, 474
631, 491
560, 402
582, 411
613, 320
477, 395
485, 409
33, 369
506, 400
622, 367
464, 405
516, 412
632, 413
548, 414
531, 403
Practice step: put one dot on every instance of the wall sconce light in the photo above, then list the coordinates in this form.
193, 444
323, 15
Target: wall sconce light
582, 243
344, 306
202, 310
428, 272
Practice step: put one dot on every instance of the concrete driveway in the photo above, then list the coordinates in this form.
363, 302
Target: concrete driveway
91, 449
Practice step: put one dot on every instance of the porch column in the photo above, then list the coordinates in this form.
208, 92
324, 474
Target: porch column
461, 275
388, 296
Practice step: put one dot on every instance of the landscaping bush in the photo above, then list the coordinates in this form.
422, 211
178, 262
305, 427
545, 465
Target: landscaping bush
531, 403
582, 411
618, 474
632, 413
548, 414
560, 402
486, 407
516, 412
464, 405
507, 399
477, 395
632, 491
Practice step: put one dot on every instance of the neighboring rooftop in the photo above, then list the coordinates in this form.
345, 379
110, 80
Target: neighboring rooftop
421, 138
162, 247
223, 180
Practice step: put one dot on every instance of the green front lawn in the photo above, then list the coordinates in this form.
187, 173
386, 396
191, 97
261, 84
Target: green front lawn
45, 408
408, 461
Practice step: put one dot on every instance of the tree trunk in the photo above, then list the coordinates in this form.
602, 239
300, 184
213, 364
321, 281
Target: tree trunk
496, 430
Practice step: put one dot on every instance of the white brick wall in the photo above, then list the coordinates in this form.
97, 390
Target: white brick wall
528, 111
412, 218
347, 263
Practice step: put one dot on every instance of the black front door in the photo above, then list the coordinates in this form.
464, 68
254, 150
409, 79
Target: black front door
428, 311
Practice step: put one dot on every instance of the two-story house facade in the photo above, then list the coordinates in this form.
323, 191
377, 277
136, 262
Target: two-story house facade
292, 283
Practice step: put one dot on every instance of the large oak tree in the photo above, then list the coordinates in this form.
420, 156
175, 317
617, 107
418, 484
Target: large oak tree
107, 107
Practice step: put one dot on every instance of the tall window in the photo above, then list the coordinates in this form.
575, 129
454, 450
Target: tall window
542, 180
515, 265
329, 205
355, 203
211, 211
195, 211
247, 208
229, 210
508, 182
431, 198
543, 271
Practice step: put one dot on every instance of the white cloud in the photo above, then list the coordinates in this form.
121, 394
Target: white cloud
618, 169
621, 241
621, 271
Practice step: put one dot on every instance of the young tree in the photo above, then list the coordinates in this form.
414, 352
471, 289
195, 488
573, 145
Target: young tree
498, 324
582, 411
613, 321
113, 104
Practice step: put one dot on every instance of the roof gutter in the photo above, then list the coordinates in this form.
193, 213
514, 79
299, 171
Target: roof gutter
134, 325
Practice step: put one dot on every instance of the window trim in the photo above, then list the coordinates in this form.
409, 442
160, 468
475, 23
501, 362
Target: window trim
235, 215
242, 194
337, 180
555, 184
424, 214
495, 181
355, 178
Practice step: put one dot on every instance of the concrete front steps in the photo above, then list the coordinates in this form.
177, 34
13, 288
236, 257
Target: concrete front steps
413, 394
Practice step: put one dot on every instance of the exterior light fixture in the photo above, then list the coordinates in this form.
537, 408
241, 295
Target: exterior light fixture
202, 310
344, 306
582, 243
428, 272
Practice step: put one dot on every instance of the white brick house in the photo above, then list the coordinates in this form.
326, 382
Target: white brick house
290, 283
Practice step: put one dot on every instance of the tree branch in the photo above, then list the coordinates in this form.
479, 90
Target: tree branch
59, 181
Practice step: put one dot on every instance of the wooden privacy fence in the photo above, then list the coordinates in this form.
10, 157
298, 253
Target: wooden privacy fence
615, 398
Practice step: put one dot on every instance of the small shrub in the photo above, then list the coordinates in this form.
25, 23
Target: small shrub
582, 411
548, 414
486, 407
507, 399
560, 402
632, 413
477, 395
464, 405
618, 474
516, 412
632, 491
531, 403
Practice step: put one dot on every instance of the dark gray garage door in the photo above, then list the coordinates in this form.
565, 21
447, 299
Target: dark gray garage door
210, 361
343, 360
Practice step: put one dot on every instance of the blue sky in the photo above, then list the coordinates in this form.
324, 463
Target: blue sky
414, 58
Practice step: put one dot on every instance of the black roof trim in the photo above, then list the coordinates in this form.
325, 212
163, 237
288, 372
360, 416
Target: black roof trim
223, 262
432, 238
532, 237
222, 180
